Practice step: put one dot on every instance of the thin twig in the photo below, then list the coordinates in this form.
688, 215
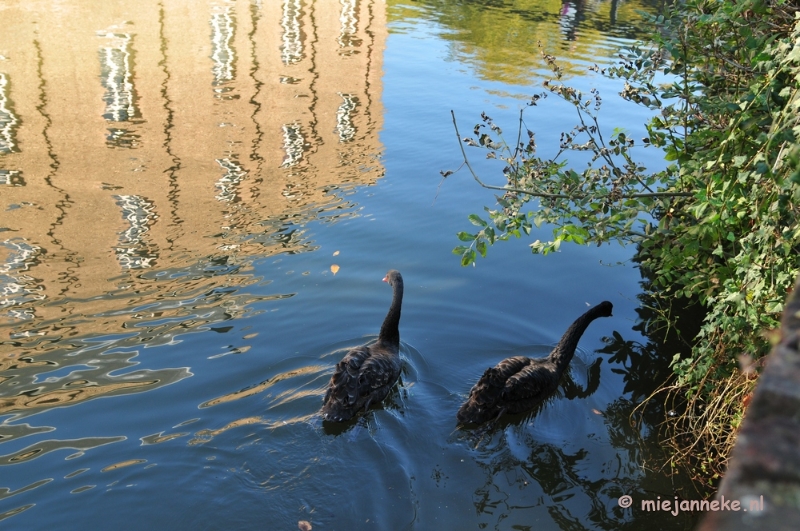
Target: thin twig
441, 183
517, 149
545, 194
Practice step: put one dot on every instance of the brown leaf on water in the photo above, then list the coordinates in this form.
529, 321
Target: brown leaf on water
334, 269
335, 253
596, 412
302, 525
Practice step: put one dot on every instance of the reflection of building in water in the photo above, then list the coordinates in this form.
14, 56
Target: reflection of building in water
303, 123
8, 121
133, 251
17, 286
116, 76
227, 184
292, 45
293, 144
344, 118
223, 55
348, 36
11, 178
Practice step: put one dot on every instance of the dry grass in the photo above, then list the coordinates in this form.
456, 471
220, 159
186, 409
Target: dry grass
700, 430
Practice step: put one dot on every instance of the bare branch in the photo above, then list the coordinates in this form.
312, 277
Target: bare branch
489, 186
547, 195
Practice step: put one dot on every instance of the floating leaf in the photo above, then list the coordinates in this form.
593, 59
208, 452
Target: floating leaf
303, 525
334, 269
596, 412
335, 253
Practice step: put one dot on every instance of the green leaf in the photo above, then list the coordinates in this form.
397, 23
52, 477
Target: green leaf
476, 220
466, 237
489, 232
468, 257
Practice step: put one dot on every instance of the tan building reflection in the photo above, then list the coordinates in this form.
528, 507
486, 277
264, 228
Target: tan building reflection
150, 136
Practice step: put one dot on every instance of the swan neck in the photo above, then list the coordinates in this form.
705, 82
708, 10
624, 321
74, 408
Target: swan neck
390, 332
565, 349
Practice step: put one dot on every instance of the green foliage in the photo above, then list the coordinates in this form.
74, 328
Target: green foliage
732, 127
719, 225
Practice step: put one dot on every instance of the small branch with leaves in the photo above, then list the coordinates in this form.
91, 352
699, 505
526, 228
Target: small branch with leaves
613, 199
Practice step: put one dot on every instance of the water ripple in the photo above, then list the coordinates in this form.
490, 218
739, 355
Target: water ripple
41, 448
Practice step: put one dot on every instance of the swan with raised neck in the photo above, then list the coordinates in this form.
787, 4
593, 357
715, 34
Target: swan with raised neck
517, 384
367, 373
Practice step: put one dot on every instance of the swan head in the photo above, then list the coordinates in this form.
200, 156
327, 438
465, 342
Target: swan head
393, 276
604, 309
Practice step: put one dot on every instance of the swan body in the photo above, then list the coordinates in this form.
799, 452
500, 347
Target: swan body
367, 373
519, 383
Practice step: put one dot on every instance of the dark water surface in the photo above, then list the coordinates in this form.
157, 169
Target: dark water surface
198, 201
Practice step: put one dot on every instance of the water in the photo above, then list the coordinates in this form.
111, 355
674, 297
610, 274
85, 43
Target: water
198, 204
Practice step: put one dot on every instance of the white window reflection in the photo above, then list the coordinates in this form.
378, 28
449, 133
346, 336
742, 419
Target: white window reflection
291, 40
293, 144
222, 53
344, 118
8, 120
227, 184
11, 178
133, 251
116, 77
16, 286
349, 24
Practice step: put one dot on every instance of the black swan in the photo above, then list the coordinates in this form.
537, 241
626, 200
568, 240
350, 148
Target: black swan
517, 384
367, 373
